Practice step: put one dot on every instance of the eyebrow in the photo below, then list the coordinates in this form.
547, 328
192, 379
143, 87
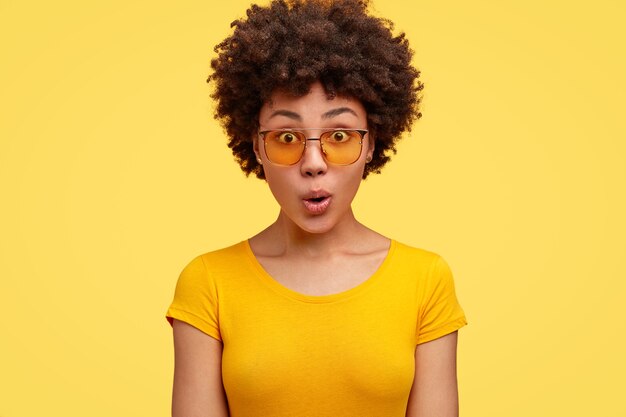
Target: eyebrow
336, 112
287, 113
328, 115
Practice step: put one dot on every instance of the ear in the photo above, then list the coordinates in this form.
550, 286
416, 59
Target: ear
255, 148
370, 148
255, 144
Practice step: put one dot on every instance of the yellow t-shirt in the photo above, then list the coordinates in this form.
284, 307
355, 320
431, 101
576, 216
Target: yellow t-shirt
291, 354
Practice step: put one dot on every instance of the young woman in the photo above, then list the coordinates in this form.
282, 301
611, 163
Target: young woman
317, 315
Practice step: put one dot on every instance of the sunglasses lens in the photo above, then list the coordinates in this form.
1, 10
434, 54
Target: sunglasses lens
341, 147
284, 148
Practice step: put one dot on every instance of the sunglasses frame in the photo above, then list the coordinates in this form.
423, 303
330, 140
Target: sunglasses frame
361, 132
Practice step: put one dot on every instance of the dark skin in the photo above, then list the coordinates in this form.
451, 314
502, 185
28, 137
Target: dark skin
301, 247
291, 44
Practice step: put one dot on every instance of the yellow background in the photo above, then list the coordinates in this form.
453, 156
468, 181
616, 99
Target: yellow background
113, 175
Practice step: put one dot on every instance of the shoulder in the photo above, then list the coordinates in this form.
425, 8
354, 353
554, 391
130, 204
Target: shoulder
207, 268
218, 257
425, 268
415, 257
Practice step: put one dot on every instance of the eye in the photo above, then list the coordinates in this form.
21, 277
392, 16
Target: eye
339, 136
287, 137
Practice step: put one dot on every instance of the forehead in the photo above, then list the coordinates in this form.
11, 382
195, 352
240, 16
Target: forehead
313, 106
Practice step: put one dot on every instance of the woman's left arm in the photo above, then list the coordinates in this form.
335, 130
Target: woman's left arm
435, 390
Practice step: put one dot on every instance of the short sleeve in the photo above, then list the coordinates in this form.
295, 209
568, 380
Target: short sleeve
440, 312
195, 299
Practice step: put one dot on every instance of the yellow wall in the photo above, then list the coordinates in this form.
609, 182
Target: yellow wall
113, 175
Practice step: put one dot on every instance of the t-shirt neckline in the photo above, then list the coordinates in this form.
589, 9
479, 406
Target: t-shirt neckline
317, 299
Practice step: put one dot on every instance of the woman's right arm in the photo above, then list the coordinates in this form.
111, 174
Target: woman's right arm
198, 389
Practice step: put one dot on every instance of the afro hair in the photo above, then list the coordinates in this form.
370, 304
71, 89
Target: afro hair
290, 44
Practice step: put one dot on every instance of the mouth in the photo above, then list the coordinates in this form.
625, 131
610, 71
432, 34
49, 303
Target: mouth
317, 203
317, 196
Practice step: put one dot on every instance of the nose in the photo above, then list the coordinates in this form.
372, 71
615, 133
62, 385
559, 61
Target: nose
313, 162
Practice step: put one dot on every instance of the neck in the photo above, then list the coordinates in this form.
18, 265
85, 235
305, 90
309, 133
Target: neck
289, 239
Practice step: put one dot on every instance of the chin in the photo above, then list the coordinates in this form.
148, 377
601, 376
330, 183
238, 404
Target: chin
316, 227
317, 224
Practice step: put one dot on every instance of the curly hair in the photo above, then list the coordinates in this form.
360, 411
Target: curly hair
289, 45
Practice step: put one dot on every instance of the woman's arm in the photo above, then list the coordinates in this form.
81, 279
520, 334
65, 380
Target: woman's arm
198, 389
435, 391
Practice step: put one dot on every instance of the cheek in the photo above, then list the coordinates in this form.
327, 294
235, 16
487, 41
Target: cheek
352, 182
278, 184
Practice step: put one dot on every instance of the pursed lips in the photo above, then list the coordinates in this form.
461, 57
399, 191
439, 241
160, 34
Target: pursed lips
317, 195
317, 202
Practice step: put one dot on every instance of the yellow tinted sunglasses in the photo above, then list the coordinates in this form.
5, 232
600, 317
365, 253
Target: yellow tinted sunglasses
339, 146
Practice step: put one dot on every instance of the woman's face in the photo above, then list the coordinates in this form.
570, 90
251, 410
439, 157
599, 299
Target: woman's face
295, 186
